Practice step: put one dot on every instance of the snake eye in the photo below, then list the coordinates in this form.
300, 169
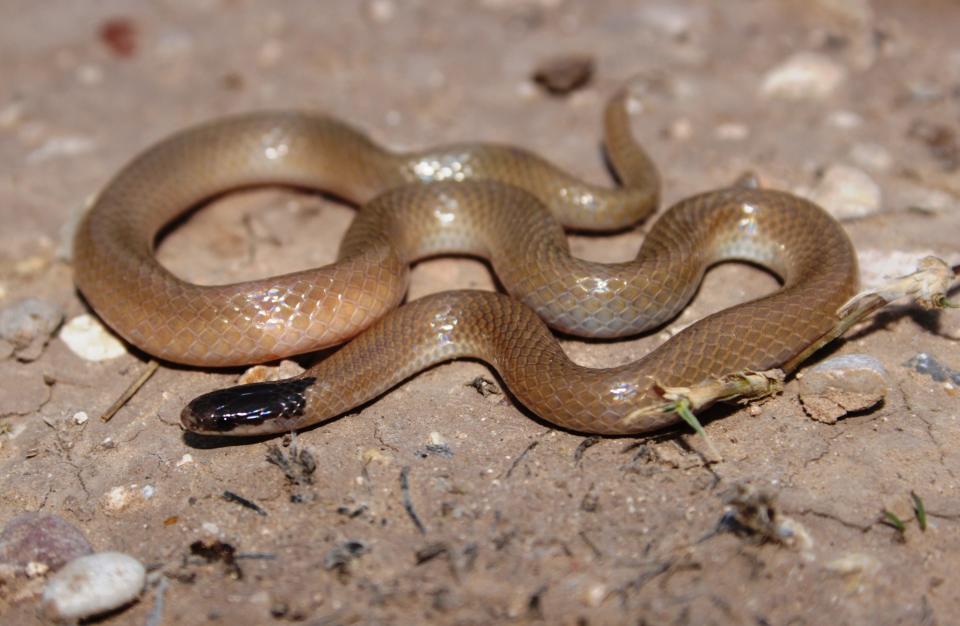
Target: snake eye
247, 409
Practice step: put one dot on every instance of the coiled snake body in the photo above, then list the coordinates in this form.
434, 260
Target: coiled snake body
496, 202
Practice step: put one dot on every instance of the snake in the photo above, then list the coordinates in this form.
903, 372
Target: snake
493, 201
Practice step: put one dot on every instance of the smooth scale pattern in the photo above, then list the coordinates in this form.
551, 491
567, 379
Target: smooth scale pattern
496, 202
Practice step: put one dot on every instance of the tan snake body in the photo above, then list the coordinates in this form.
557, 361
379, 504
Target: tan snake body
496, 202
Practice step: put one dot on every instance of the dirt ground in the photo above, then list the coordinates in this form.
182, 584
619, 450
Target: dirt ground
435, 503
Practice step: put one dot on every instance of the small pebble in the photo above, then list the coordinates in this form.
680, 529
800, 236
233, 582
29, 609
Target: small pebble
121, 497
41, 538
265, 373
80, 418
28, 325
844, 120
594, 595
670, 19
731, 131
845, 192
186, 459
381, 11
270, 53
93, 584
680, 130
90, 340
562, 75
119, 35
925, 363
843, 384
805, 75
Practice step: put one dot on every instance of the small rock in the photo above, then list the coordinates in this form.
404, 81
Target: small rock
120, 35
41, 538
805, 75
842, 384
844, 120
924, 363
90, 340
854, 563
80, 418
93, 584
27, 326
731, 131
341, 555
680, 129
186, 459
845, 192
381, 11
561, 75
265, 373
122, 497
854, 568
270, 53
594, 594
670, 19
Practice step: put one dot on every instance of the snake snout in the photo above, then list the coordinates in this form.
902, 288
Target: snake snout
254, 409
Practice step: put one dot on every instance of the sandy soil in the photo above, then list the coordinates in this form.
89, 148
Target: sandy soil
519, 522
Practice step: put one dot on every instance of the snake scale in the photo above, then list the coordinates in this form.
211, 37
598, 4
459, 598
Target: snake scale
497, 202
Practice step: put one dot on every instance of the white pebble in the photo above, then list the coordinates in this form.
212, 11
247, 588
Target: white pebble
270, 52
119, 498
263, 373
89, 74
731, 131
186, 459
11, 114
210, 528
93, 584
667, 18
844, 119
846, 192
90, 340
595, 594
804, 75
381, 11
148, 491
681, 129
80, 418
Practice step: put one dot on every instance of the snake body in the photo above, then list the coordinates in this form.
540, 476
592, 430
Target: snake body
497, 202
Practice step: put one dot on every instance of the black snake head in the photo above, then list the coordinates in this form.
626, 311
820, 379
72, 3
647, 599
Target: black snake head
254, 409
